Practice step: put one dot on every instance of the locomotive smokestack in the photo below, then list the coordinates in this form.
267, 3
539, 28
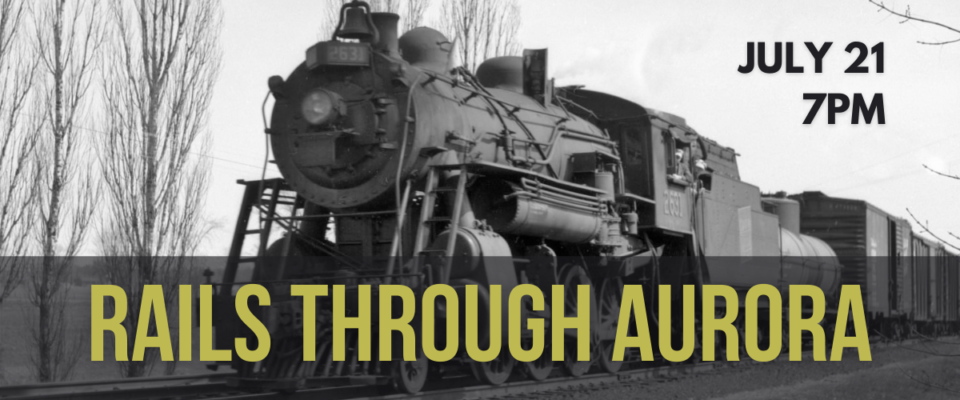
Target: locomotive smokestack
386, 24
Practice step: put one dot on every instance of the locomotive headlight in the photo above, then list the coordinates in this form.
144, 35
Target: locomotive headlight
321, 107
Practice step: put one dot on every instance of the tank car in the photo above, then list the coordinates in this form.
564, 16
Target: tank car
400, 169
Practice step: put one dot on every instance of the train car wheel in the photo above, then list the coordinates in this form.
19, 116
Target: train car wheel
572, 276
496, 371
719, 339
611, 293
541, 368
741, 340
571, 366
898, 331
410, 376
763, 334
785, 332
697, 355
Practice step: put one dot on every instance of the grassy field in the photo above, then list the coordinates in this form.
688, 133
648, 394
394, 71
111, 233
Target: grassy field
17, 350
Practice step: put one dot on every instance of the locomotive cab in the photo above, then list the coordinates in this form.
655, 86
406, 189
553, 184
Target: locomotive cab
648, 141
687, 185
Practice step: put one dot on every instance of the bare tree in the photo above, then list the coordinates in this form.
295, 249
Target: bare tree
18, 138
161, 70
411, 11
908, 17
414, 13
481, 29
391, 6
329, 16
66, 43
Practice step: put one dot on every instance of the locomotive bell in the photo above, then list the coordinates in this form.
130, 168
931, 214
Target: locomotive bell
355, 22
355, 25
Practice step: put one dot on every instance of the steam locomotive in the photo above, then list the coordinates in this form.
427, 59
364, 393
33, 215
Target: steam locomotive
399, 169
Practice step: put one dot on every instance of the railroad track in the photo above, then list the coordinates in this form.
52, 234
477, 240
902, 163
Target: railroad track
454, 388
139, 388
466, 387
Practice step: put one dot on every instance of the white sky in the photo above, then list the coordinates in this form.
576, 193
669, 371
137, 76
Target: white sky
680, 57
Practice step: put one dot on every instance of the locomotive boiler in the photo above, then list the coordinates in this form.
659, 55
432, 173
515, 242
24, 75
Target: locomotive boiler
400, 169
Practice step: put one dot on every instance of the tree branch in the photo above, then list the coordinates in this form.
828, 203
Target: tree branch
941, 173
926, 229
18, 140
908, 17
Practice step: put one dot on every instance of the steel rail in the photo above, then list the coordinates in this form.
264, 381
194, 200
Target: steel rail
137, 388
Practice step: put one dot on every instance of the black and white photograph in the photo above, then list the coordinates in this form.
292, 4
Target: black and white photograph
479, 199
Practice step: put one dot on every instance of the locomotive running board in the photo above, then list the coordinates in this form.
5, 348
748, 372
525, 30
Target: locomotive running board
492, 169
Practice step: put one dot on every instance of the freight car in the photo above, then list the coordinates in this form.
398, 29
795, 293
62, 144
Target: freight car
909, 282
874, 249
398, 169
938, 284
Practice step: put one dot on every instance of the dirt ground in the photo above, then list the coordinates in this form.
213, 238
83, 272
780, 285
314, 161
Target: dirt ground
918, 371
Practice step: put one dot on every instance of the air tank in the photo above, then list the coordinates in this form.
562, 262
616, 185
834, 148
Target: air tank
549, 214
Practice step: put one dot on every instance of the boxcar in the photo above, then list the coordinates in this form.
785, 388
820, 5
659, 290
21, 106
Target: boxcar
937, 287
944, 290
921, 259
901, 292
938, 309
874, 248
953, 290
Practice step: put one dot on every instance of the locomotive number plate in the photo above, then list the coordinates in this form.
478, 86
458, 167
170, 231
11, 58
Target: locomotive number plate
338, 53
673, 203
